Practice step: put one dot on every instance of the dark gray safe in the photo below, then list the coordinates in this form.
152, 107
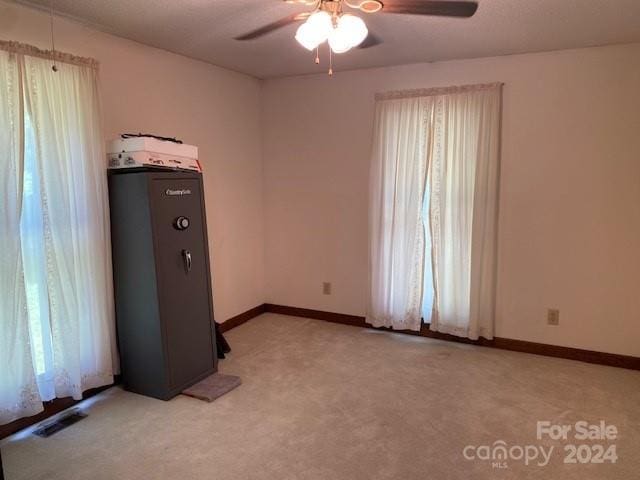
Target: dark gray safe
164, 307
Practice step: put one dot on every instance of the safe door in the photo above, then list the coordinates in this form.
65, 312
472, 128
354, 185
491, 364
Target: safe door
182, 263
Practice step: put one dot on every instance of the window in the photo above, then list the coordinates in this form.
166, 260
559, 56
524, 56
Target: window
57, 329
433, 211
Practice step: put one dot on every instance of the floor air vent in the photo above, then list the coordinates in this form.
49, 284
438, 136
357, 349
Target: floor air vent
60, 424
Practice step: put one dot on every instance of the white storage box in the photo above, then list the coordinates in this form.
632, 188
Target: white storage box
149, 144
152, 159
138, 152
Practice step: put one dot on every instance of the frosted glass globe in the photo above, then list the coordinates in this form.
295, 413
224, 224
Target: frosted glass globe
321, 24
339, 40
315, 30
306, 37
354, 28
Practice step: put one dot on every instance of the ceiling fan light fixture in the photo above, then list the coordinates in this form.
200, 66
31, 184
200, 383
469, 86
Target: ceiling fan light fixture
325, 20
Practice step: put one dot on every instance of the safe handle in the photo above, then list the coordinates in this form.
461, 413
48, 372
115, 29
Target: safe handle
186, 255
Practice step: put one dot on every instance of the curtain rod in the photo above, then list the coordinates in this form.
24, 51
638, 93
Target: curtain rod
430, 92
25, 49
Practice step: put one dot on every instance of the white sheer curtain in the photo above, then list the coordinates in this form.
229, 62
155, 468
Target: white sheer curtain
397, 235
63, 234
18, 390
433, 246
464, 211
70, 159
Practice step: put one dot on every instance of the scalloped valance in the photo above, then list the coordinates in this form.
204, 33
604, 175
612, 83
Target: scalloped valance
25, 49
430, 92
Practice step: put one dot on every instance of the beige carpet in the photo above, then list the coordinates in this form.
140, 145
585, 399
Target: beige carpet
326, 401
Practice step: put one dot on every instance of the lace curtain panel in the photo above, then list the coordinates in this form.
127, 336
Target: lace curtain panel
434, 209
58, 328
18, 390
464, 211
397, 236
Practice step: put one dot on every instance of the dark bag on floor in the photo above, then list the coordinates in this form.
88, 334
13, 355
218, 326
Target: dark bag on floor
221, 343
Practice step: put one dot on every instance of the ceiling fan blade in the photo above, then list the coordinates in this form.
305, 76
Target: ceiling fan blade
440, 8
283, 22
371, 41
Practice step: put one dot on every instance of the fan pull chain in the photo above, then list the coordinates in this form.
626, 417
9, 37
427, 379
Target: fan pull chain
330, 63
317, 55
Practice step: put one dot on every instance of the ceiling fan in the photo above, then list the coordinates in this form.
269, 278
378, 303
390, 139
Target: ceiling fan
328, 21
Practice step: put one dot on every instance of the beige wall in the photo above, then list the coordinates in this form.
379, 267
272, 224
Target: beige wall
149, 90
570, 189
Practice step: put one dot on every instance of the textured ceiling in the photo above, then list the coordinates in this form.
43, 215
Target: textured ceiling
204, 29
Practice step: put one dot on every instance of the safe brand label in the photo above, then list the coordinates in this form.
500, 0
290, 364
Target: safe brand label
172, 193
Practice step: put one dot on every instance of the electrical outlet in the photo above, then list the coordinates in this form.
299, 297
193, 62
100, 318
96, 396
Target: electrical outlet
553, 316
326, 288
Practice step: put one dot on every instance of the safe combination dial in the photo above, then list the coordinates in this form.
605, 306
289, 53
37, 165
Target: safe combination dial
181, 223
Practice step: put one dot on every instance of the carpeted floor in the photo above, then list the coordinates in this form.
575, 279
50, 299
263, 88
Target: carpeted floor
326, 401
